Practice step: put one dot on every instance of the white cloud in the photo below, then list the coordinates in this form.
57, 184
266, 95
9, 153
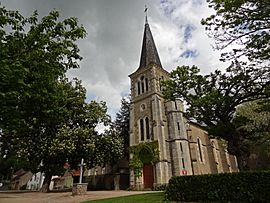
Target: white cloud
112, 48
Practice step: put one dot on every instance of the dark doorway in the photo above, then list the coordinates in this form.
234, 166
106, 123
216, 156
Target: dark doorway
148, 176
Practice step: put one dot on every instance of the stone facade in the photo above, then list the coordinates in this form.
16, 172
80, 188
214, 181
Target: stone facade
19, 179
79, 189
184, 147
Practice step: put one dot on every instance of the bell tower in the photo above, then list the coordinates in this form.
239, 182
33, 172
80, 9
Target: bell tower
152, 118
147, 112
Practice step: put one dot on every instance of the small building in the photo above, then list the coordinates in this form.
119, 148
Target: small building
36, 182
19, 179
62, 182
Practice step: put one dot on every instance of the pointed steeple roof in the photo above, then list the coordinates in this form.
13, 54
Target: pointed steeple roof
149, 52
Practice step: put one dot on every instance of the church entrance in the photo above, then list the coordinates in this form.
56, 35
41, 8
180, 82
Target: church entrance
148, 176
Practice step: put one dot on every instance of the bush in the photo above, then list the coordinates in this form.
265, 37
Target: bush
160, 187
239, 187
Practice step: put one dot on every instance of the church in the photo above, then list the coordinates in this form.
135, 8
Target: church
185, 148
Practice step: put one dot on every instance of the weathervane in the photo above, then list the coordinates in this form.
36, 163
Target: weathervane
145, 11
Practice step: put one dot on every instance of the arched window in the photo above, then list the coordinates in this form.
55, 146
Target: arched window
142, 129
200, 149
147, 128
142, 83
146, 84
139, 88
160, 80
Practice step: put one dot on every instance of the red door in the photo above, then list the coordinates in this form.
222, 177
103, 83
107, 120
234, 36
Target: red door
148, 176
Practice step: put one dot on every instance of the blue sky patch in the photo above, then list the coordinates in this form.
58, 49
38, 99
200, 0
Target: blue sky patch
189, 53
167, 7
188, 32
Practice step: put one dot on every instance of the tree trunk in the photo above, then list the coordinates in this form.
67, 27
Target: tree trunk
116, 176
46, 183
116, 180
235, 147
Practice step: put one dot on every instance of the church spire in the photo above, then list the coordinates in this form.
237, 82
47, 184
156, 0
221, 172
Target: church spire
149, 52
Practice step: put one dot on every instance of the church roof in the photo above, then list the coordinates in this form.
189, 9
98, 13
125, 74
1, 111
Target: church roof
149, 52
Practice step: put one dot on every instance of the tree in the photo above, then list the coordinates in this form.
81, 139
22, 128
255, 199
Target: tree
122, 124
255, 122
212, 99
44, 116
36, 97
243, 27
76, 139
72, 144
244, 24
81, 140
10, 164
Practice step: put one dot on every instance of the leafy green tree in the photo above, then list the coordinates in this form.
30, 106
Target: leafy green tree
255, 122
241, 29
84, 142
36, 97
43, 115
212, 99
245, 24
122, 124
74, 142
11, 163
111, 146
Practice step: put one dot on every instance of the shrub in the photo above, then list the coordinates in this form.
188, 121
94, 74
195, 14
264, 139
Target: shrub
160, 187
243, 186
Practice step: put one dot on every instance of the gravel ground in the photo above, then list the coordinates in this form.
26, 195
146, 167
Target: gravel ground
63, 197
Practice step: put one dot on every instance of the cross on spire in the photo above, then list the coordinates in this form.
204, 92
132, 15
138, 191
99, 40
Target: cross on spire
145, 11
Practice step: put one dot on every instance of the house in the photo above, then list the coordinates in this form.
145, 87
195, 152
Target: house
19, 179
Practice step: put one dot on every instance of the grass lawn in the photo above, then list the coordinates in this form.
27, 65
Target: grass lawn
146, 198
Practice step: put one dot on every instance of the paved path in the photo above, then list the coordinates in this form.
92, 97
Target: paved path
63, 197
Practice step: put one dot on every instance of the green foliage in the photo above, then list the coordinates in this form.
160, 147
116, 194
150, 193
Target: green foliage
212, 99
82, 141
122, 123
12, 163
161, 187
143, 153
257, 119
254, 120
244, 23
242, 27
111, 146
36, 98
43, 115
238, 187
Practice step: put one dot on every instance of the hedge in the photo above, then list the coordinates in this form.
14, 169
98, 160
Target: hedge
235, 187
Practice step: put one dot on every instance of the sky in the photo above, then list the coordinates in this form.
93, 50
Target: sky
111, 51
